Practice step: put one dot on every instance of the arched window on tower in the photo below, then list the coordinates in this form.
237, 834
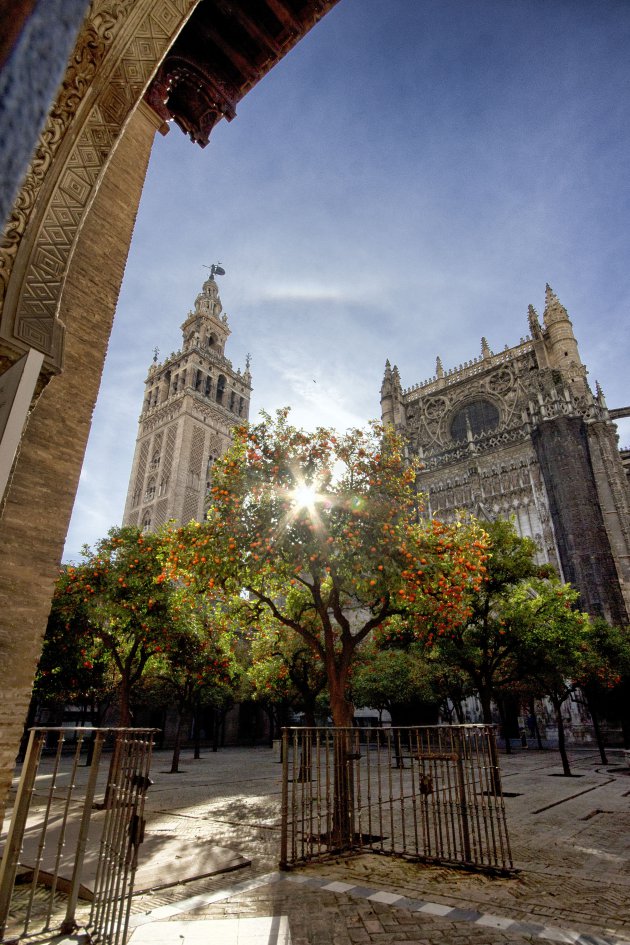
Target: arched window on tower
163, 486
211, 462
136, 498
155, 459
149, 495
198, 380
208, 390
146, 521
232, 400
220, 388
212, 340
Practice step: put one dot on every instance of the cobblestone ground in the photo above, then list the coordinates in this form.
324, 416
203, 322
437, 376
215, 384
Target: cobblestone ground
570, 841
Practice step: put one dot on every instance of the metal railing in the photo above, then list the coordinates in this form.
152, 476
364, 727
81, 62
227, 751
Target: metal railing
68, 791
431, 793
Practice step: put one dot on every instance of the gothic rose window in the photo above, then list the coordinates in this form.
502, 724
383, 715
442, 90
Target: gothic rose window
480, 416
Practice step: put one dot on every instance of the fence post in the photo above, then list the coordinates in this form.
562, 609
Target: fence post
15, 836
463, 799
284, 827
69, 924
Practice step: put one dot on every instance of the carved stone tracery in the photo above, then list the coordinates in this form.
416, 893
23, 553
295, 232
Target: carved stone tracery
131, 37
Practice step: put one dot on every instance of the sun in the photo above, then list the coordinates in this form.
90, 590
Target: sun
305, 496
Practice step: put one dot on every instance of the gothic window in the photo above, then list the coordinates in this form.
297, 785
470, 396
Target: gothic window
232, 400
212, 340
220, 388
149, 495
136, 499
208, 390
198, 380
174, 384
480, 416
241, 404
163, 486
146, 521
155, 459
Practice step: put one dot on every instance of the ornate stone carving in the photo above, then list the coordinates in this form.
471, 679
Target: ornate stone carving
129, 36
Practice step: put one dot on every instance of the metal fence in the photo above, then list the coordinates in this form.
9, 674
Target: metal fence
431, 793
74, 832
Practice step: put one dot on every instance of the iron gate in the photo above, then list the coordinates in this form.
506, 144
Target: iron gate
432, 793
52, 852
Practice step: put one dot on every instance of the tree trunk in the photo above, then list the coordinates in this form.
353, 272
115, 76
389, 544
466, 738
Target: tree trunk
562, 745
532, 712
597, 730
216, 729
196, 733
125, 708
504, 727
345, 754
486, 706
178, 743
271, 715
486, 710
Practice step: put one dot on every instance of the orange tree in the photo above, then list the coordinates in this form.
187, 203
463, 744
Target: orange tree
322, 534
114, 601
560, 650
72, 667
196, 663
285, 673
488, 645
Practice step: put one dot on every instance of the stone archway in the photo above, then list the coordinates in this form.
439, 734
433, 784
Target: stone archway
65, 249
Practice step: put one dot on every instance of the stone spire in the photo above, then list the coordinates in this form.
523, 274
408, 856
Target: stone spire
247, 375
207, 325
485, 349
392, 408
439, 370
534, 325
560, 343
599, 396
554, 309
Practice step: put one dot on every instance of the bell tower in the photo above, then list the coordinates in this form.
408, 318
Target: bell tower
192, 401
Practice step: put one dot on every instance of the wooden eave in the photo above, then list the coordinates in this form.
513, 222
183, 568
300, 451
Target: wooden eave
226, 47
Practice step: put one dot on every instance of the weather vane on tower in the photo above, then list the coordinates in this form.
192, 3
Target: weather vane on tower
216, 269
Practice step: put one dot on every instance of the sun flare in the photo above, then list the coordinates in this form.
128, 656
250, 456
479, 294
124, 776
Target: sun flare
305, 496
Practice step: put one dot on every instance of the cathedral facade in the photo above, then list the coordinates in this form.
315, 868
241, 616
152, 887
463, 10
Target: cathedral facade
520, 434
192, 401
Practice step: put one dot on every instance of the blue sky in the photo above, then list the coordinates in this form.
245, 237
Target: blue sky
405, 181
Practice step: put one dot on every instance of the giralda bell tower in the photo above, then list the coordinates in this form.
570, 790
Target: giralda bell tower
192, 401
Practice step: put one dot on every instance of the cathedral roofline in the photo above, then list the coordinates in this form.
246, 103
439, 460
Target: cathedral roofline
468, 369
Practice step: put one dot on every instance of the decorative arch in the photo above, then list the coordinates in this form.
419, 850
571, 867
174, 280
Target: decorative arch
64, 253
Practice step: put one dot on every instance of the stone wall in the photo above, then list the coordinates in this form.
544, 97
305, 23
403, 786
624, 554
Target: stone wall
587, 561
41, 495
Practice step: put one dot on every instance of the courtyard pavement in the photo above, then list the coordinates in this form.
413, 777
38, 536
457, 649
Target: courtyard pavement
570, 841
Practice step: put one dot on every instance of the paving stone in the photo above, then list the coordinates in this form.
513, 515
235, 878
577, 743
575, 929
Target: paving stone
574, 879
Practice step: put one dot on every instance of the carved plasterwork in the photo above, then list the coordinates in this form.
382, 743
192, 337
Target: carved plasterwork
162, 415
120, 46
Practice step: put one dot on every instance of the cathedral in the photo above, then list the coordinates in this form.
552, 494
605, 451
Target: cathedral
191, 402
519, 434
